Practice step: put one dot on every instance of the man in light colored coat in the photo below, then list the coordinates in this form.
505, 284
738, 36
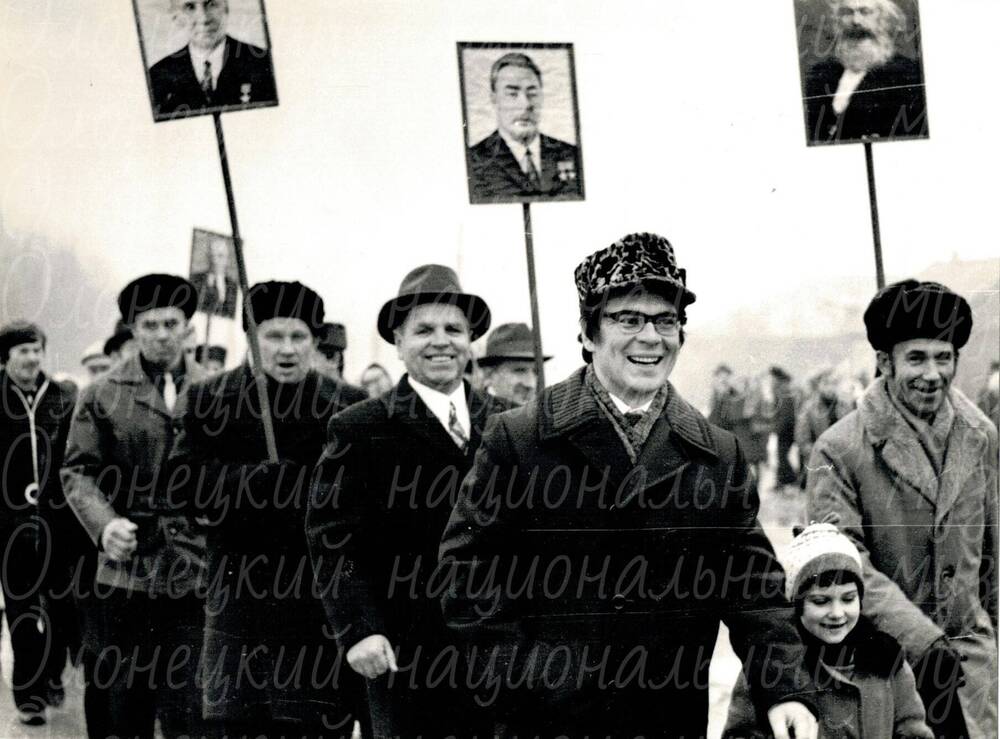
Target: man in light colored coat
912, 477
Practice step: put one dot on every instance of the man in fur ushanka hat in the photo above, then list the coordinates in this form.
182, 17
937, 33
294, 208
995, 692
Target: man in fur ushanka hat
263, 616
912, 477
602, 476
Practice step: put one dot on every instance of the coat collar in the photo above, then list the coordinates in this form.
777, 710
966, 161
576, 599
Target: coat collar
403, 404
570, 411
569, 406
130, 374
897, 443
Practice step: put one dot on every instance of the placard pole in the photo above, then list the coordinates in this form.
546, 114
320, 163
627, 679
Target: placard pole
536, 326
258, 372
873, 201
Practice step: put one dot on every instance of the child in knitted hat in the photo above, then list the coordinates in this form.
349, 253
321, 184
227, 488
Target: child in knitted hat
862, 687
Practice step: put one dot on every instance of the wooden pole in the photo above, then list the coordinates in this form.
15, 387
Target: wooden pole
536, 326
873, 202
258, 372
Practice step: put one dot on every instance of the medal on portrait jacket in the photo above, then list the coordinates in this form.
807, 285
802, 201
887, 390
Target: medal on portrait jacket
566, 170
245, 92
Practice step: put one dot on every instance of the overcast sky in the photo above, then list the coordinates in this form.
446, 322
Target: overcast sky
691, 126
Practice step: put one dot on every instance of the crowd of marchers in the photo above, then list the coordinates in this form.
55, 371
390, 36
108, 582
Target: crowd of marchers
270, 551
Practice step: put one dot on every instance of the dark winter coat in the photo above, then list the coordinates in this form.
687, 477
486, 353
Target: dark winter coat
591, 590
266, 645
383, 493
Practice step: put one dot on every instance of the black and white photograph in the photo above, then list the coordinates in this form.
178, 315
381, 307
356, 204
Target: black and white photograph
301, 440
214, 273
862, 70
521, 122
205, 56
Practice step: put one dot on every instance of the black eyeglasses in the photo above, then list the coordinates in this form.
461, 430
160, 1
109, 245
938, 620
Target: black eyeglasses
632, 322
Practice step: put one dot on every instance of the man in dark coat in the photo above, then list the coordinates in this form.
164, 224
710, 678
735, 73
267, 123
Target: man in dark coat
517, 160
213, 69
384, 490
145, 611
270, 665
605, 531
866, 90
39, 536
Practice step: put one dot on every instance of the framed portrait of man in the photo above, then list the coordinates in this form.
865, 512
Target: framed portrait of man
214, 273
862, 70
205, 56
521, 122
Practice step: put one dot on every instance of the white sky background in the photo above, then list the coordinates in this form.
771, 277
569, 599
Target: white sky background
691, 126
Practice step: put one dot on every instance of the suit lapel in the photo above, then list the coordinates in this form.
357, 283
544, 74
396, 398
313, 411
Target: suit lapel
570, 411
504, 161
410, 411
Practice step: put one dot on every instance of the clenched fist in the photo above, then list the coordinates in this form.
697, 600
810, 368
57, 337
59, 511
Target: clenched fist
372, 656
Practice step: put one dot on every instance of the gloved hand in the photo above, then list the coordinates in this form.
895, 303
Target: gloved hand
939, 667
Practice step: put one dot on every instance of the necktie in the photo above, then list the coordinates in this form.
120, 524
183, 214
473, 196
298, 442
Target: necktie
456, 430
206, 80
169, 391
632, 418
530, 171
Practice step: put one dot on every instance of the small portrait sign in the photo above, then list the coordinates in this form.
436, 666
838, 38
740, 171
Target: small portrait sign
214, 273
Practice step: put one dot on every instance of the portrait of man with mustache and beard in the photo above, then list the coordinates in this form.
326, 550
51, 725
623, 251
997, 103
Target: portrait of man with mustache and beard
503, 91
862, 75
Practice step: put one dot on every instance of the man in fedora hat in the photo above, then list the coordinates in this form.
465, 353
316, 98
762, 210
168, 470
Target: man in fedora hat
605, 531
146, 604
509, 363
264, 621
384, 490
912, 477
328, 359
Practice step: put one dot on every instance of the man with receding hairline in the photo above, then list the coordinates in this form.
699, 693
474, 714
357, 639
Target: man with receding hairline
867, 89
517, 159
213, 68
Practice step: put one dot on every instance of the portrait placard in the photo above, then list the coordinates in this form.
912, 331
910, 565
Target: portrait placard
214, 273
205, 56
862, 70
521, 122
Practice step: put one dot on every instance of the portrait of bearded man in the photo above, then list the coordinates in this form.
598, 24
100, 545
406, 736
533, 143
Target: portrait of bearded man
871, 85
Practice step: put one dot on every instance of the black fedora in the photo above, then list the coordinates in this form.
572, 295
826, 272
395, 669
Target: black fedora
509, 341
432, 283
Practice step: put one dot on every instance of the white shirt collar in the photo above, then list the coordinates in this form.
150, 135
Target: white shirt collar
216, 57
626, 408
518, 149
440, 404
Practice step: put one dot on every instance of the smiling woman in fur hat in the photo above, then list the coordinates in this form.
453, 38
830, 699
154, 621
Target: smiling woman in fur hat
912, 477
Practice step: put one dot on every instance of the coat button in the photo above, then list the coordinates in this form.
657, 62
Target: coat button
172, 530
618, 601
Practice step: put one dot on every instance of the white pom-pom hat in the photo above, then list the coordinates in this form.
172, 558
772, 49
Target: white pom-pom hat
819, 548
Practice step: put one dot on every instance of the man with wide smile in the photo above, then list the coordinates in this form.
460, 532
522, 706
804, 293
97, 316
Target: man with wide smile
917, 452
603, 476
383, 493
